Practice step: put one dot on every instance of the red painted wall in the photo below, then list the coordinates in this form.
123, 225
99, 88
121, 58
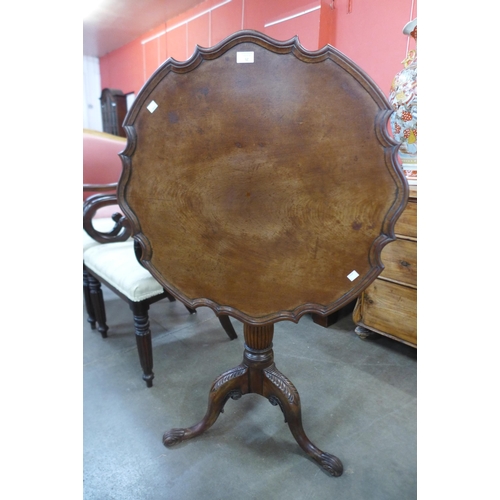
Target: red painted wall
371, 34
368, 32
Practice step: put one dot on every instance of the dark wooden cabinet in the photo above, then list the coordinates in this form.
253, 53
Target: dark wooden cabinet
113, 110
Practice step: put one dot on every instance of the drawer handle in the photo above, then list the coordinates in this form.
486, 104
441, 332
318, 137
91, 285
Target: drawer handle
405, 264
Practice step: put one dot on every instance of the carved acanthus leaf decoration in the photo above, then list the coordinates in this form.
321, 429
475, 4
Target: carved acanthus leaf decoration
227, 376
283, 384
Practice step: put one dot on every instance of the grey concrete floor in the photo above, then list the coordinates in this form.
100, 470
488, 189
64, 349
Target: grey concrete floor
359, 402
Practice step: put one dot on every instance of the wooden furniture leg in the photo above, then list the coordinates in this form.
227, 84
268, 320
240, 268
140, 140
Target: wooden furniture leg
88, 301
257, 374
143, 338
223, 318
97, 301
171, 298
363, 333
228, 326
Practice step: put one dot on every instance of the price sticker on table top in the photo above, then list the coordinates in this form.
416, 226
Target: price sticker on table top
353, 275
152, 106
244, 57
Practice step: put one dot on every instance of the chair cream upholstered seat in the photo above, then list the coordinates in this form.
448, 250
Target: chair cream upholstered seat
117, 265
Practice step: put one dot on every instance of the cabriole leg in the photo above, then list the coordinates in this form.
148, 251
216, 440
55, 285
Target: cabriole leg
280, 391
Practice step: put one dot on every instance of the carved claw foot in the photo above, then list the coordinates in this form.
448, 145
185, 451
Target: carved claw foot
173, 437
330, 464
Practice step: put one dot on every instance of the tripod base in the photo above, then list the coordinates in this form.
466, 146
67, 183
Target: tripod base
258, 374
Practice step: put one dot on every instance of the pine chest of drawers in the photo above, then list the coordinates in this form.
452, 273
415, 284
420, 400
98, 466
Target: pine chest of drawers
389, 305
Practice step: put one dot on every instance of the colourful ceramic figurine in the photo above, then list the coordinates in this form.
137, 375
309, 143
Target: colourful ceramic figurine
403, 97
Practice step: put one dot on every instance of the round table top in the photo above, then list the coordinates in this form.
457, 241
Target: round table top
260, 180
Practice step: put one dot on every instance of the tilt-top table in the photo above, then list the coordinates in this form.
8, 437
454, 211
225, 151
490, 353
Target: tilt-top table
259, 180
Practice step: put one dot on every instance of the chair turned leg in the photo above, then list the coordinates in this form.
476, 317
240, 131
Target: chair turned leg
228, 327
170, 297
88, 301
143, 338
97, 301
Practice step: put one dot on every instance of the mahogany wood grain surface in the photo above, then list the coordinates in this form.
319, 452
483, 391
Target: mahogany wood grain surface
258, 188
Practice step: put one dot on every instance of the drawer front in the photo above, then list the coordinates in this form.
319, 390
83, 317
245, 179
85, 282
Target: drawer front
389, 308
407, 223
400, 261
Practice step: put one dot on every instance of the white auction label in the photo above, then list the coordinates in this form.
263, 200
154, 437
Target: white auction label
353, 275
244, 57
152, 106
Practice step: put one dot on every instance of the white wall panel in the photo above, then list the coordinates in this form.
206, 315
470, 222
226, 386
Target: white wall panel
92, 118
